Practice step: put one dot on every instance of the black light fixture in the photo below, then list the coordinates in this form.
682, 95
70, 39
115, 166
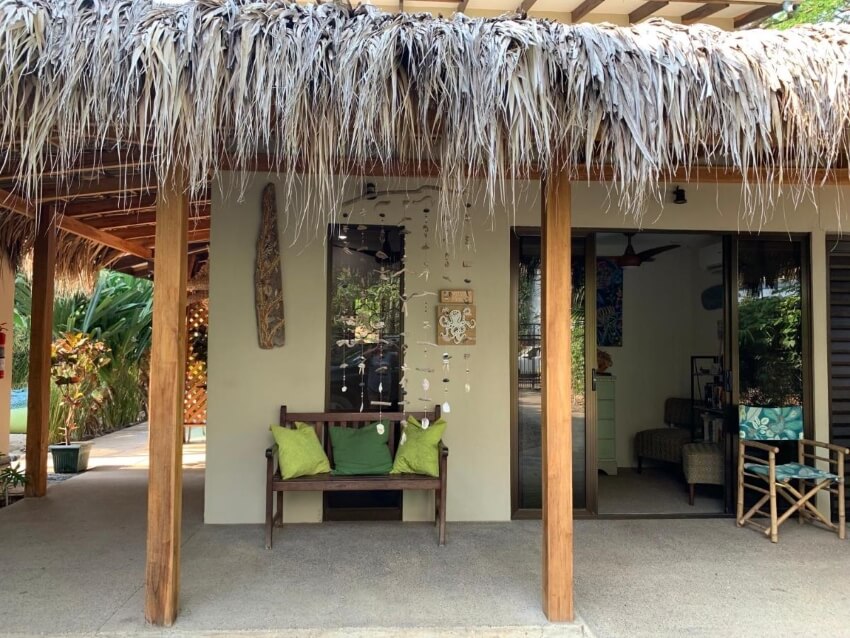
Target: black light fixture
679, 196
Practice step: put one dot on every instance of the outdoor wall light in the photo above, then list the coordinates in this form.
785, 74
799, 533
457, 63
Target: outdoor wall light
679, 196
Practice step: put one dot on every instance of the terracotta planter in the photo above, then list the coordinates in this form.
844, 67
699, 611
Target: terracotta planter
70, 459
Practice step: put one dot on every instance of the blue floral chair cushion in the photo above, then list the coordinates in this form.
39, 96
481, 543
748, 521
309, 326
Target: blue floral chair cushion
789, 471
757, 423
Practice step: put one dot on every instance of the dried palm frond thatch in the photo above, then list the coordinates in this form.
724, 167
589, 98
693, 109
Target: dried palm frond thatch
77, 260
323, 89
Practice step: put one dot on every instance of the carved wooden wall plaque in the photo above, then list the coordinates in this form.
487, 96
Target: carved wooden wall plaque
268, 280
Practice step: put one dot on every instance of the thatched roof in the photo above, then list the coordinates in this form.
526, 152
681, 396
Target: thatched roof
319, 90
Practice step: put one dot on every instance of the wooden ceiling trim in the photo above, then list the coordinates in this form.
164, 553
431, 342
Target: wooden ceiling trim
646, 9
700, 13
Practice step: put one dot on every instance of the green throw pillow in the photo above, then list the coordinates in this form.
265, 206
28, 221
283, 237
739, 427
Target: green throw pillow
299, 451
418, 451
361, 450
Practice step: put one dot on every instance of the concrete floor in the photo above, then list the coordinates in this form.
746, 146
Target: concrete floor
73, 564
657, 490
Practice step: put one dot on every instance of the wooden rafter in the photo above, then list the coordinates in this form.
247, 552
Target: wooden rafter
462, 5
646, 9
525, 6
755, 15
584, 8
18, 205
702, 12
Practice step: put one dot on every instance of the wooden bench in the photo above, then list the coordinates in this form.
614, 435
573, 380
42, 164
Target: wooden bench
321, 421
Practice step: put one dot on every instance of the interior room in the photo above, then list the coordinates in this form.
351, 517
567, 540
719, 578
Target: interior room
659, 370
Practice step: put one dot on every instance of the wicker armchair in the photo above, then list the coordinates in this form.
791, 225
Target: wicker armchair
665, 444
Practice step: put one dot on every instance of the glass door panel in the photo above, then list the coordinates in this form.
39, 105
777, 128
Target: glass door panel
527, 410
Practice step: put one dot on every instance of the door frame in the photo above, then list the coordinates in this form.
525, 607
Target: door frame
591, 462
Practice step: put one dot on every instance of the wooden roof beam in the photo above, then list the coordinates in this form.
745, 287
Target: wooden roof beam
138, 233
646, 9
525, 6
18, 205
584, 8
755, 15
700, 13
142, 217
462, 5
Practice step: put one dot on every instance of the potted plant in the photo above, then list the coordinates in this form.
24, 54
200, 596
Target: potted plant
11, 476
76, 360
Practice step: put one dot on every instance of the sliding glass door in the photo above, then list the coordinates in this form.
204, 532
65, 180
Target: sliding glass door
526, 450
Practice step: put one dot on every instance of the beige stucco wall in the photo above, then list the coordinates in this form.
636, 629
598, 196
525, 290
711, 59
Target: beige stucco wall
246, 384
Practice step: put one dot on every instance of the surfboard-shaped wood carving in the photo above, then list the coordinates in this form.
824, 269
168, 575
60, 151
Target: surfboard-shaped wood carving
268, 281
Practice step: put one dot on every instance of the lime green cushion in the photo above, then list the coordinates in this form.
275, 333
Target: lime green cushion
418, 451
299, 451
361, 450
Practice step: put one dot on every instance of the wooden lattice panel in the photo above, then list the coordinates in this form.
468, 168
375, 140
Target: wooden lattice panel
195, 392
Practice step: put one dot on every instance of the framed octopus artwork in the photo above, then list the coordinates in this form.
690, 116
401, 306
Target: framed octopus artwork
456, 324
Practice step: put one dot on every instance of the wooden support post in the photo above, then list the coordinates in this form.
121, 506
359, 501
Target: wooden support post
557, 411
168, 361
41, 339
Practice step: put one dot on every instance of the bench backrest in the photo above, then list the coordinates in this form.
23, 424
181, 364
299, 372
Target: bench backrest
321, 421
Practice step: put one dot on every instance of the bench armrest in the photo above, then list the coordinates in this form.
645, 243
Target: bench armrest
761, 446
271, 461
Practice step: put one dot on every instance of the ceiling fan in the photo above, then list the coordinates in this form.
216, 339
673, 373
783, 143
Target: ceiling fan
632, 259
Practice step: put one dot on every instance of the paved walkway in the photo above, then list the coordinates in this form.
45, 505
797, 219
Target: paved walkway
73, 564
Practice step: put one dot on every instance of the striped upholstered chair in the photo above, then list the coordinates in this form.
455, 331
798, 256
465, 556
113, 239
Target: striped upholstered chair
665, 444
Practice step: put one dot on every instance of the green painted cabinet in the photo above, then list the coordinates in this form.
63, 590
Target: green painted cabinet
606, 429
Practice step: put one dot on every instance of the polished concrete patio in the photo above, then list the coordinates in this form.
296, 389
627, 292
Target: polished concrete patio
73, 564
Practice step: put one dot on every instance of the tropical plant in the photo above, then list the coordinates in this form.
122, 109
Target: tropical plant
771, 346
119, 313
11, 476
76, 361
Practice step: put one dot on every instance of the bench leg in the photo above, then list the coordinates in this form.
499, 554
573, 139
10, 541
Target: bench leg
278, 517
691, 489
442, 513
269, 516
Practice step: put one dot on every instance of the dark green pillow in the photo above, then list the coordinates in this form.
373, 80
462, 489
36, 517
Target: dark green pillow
361, 450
